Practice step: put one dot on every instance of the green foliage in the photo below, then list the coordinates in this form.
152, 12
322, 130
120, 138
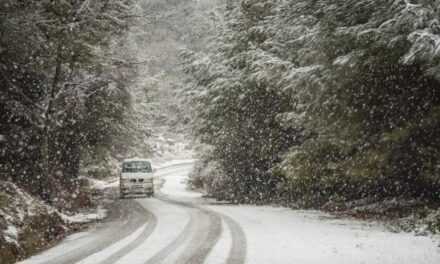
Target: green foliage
344, 93
3, 200
62, 97
238, 114
208, 175
374, 119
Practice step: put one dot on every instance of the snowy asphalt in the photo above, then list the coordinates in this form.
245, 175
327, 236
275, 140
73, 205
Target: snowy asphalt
179, 226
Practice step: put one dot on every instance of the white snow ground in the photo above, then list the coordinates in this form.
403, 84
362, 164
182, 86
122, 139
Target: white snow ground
280, 235
99, 214
272, 234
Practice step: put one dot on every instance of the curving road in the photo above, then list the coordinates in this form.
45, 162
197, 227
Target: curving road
169, 228
179, 226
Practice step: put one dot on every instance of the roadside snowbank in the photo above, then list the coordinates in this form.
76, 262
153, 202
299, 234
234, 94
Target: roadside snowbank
282, 235
82, 218
28, 225
399, 214
101, 185
16, 206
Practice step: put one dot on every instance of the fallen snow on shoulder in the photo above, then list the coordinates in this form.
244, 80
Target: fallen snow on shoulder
314, 237
70, 243
100, 214
19, 206
102, 184
11, 234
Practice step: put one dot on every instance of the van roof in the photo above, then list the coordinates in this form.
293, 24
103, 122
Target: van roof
136, 159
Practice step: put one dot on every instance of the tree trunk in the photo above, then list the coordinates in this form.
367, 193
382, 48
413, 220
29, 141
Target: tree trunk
47, 186
45, 167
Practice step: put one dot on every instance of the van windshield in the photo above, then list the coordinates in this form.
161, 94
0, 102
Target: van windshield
136, 166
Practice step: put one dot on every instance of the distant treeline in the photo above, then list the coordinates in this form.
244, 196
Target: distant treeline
317, 101
63, 99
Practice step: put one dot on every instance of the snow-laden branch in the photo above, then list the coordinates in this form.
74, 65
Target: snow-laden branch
84, 5
114, 19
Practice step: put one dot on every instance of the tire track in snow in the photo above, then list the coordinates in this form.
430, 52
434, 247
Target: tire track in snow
237, 254
170, 248
204, 241
125, 217
137, 218
152, 223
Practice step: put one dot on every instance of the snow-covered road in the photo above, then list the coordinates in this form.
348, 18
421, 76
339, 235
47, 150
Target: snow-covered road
179, 226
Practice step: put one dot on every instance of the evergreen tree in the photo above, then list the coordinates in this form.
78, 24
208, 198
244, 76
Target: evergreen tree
54, 64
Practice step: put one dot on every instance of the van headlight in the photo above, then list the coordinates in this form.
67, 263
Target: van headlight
124, 181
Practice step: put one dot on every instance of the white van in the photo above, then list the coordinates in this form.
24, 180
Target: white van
136, 177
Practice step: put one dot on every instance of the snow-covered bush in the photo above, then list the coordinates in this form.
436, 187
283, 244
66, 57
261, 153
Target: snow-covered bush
208, 176
27, 225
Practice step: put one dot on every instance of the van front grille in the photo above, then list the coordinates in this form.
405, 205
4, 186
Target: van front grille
140, 180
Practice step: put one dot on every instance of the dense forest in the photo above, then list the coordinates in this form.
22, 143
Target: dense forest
300, 101
321, 101
85, 84
63, 96
305, 104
